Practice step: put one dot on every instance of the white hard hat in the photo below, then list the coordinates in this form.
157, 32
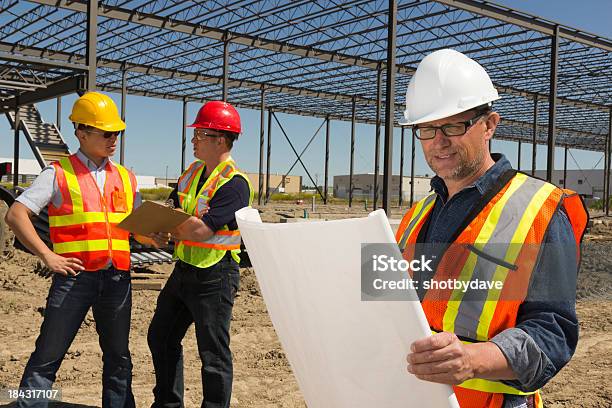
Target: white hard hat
446, 83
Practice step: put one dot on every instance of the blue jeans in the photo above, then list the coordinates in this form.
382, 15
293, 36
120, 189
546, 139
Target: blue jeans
109, 293
204, 296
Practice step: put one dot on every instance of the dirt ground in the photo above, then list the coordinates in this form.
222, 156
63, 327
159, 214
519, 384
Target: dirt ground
262, 376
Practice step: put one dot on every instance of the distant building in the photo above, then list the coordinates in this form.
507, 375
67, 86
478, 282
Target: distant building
363, 186
28, 170
587, 183
279, 183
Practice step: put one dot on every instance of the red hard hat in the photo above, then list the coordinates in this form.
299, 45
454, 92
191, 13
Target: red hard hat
218, 115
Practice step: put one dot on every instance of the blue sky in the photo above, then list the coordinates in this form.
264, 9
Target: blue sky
154, 125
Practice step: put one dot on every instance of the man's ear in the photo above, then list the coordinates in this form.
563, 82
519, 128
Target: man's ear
491, 123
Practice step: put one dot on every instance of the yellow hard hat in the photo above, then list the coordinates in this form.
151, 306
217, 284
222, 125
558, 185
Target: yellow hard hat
97, 110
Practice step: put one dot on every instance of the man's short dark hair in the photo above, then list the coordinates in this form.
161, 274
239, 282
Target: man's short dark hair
230, 138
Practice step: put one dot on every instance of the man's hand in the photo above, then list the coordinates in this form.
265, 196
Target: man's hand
441, 358
159, 239
62, 266
193, 229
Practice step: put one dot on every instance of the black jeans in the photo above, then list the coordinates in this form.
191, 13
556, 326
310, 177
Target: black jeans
109, 293
204, 296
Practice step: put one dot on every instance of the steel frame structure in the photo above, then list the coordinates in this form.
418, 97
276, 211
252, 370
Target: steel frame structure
330, 59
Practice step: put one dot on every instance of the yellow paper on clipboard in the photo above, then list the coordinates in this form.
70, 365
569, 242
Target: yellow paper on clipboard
153, 217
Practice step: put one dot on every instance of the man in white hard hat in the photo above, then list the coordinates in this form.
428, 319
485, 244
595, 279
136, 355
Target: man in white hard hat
487, 222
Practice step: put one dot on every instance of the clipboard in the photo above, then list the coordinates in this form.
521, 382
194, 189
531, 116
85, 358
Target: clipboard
153, 217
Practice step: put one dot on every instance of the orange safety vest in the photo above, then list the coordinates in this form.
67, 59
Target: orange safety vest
517, 215
84, 226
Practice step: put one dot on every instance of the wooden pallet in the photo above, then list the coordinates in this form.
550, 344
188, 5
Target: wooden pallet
149, 280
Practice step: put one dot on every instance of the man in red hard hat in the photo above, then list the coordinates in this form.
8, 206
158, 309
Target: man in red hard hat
205, 280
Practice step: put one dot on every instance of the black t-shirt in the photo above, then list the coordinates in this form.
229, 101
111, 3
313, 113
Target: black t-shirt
228, 199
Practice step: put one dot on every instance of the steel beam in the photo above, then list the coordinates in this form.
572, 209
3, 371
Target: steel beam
412, 156
327, 136
7, 53
534, 140
184, 136
92, 41
226, 70
401, 178
377, 137
518, 160
269, 153
607, 176
552, 104
262, 133
123, 97
531, 22
565, 167
352, 167
58, 113
17, 124
389, 107
53, 90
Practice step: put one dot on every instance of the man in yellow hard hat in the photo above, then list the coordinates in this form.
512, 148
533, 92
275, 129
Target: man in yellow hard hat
86, 195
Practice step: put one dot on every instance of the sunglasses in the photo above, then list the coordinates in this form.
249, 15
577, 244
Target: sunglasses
106, 135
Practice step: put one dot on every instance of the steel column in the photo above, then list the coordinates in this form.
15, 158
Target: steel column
92, 40
606, 186
390, 107
123, 96
17, 123
326, 159
184, 136
412, 155
269, 152
377, 138
534, 142
58, 113
565, 167
607, 178
351, 170
552, 104
401, 178
518, 160
225, 69
262, 133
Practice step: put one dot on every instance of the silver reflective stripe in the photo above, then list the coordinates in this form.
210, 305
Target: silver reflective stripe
218, 239
182, 184
426, 202
472, 304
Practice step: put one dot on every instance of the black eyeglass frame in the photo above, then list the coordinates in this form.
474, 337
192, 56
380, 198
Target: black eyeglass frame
467, 124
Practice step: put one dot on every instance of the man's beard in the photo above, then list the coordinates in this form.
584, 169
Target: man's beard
464, 169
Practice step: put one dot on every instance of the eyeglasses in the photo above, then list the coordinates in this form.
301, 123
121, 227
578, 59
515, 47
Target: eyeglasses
449, 130
106, 135
201, 134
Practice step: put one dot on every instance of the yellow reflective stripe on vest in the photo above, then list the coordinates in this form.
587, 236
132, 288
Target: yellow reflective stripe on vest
127, 186
73, 185
421, 208
520, 234
452, 308
90, 245
480, 384
82, 218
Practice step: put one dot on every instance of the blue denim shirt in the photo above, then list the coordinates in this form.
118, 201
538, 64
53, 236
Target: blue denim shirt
546, 333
